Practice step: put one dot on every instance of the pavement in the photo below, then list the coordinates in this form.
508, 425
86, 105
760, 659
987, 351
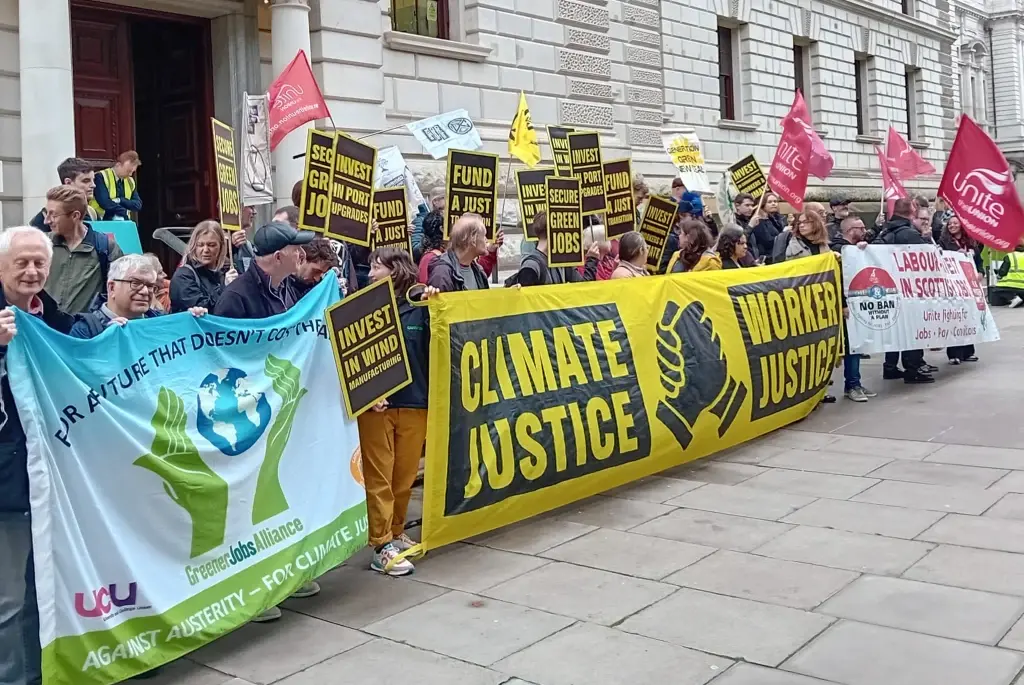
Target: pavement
870, 544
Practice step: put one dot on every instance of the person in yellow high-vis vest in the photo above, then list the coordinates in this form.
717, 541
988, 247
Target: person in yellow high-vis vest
1009, 289
116, 191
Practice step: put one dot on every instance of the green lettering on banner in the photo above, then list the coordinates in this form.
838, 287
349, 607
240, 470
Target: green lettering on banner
533, 196
472, 188
659, 220
565, 222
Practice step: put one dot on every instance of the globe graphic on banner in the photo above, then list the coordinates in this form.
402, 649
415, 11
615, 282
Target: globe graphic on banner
230, 415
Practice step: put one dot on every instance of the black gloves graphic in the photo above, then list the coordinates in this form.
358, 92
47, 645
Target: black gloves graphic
694, 373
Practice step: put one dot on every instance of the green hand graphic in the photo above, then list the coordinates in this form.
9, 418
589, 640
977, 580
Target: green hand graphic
269, 499
187, 479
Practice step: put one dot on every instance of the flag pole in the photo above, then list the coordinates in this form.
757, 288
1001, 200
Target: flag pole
764, 194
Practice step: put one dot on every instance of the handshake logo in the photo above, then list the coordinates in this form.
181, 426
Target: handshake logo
694, 373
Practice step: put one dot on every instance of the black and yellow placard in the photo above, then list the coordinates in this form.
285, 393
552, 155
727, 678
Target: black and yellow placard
227, 176
391, 215
587, 166
538, 401
315, 208
533, 195
369, 347
565, 221
659, 220
472, 188
352, 191
558, 138
618, 190
748, 177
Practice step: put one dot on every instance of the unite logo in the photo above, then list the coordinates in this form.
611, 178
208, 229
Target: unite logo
105, 600
980, 191
288, 94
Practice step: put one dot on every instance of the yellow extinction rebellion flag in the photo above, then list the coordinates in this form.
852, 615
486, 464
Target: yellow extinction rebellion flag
522, 138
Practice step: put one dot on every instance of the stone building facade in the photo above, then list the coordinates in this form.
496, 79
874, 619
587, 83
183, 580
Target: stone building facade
630, 69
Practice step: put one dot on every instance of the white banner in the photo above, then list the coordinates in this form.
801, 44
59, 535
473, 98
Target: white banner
257, 181
442, 132
687, 156
392, 171
908, 297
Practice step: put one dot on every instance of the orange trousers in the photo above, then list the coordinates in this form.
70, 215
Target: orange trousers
391, 442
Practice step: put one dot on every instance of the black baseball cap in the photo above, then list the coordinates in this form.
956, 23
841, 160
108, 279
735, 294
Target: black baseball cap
838, 201
278, 235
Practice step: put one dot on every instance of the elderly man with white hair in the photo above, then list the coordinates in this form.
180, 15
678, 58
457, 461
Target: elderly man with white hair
25, 257
131, 282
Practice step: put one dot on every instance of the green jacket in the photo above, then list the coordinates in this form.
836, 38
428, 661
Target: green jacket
76, 276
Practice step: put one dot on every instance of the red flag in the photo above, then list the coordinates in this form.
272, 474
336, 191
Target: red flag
821, 161
892, 189
295, 99
978, 185
903, 161
788, 175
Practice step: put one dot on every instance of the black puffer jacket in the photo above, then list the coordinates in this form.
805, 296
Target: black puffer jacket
193, 285
899, 231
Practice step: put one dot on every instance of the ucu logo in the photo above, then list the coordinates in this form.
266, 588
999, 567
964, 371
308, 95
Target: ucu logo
104, 601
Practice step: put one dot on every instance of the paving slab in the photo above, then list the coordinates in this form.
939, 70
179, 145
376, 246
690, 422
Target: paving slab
472, 568
712, 529
1011, 482
187, 672
842, 549
595, 655
861, 517
977, 569
788, 583
748, 453
266, 652
584, 593
741, 501
952, 475
351, 596
709, 471
470, 628
971, 455
977, 531
824, 461
798, 439
366, 663
632, 554
1015, 638
927, 608
749, 674
655, 489
612, 512
854, 653
739, 628
532, 536
1011, 506
811, 484
889, 448
954, 500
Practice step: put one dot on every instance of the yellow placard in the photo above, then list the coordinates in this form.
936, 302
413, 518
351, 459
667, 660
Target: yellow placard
227, 176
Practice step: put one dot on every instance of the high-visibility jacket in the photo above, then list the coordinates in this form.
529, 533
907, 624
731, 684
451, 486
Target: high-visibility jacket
109, 179
1014, 278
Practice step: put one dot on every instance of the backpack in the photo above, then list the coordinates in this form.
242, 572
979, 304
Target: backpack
101, 241
548, 275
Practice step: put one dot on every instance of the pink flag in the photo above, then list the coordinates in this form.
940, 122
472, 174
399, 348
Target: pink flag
295, 99
979, 188
821, 162
903, 161
892, 189
788, 173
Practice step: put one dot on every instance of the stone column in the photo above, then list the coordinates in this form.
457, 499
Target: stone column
289, 33
47, 96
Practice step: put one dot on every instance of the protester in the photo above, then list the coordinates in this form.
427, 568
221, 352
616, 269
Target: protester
940, 216
743, 207
851, 233
809, 238
321, 259
595, 235
116, 191
903, 229
162, 293
1009, 288
131, 283
678, 188
695, 251
393, 433
432, 244
923, 222
25, 256
732, 247
457, 269
632, 256
840, 207
766, 226
200, 281
640, 194
81, 256
76, 172
534, 269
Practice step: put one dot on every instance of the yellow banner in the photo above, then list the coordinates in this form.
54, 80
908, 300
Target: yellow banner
544, 396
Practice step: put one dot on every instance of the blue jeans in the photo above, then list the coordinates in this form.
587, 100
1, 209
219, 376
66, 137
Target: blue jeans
19, 616
851, 371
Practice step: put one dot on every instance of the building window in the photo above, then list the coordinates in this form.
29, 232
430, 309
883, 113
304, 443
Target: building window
726, 81
912, 80
861, 67
907, 7
422, 17
801, 68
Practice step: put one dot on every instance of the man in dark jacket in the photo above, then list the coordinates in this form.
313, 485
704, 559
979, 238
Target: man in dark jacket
840, 210
851, 233
269, 286
534, 269
25, 255
456, 270
743, 205
904, 229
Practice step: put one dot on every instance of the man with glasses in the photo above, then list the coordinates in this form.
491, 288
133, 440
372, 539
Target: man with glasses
81, 256
131, 283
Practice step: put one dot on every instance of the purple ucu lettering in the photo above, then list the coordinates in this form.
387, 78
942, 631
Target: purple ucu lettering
104, 600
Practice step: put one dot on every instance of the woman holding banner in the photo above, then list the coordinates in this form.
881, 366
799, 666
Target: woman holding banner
632, 256
809, 238
695, 250
200, 279
955, 239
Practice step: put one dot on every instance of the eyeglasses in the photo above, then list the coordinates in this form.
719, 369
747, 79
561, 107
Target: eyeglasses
136, 286
50, 216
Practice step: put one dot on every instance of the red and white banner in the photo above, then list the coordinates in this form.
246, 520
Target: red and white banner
788, 173
821, 162
978, 186
892, 189
295, 99
908, 297
903, 161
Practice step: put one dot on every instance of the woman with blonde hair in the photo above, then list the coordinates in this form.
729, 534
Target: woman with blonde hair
200, 279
